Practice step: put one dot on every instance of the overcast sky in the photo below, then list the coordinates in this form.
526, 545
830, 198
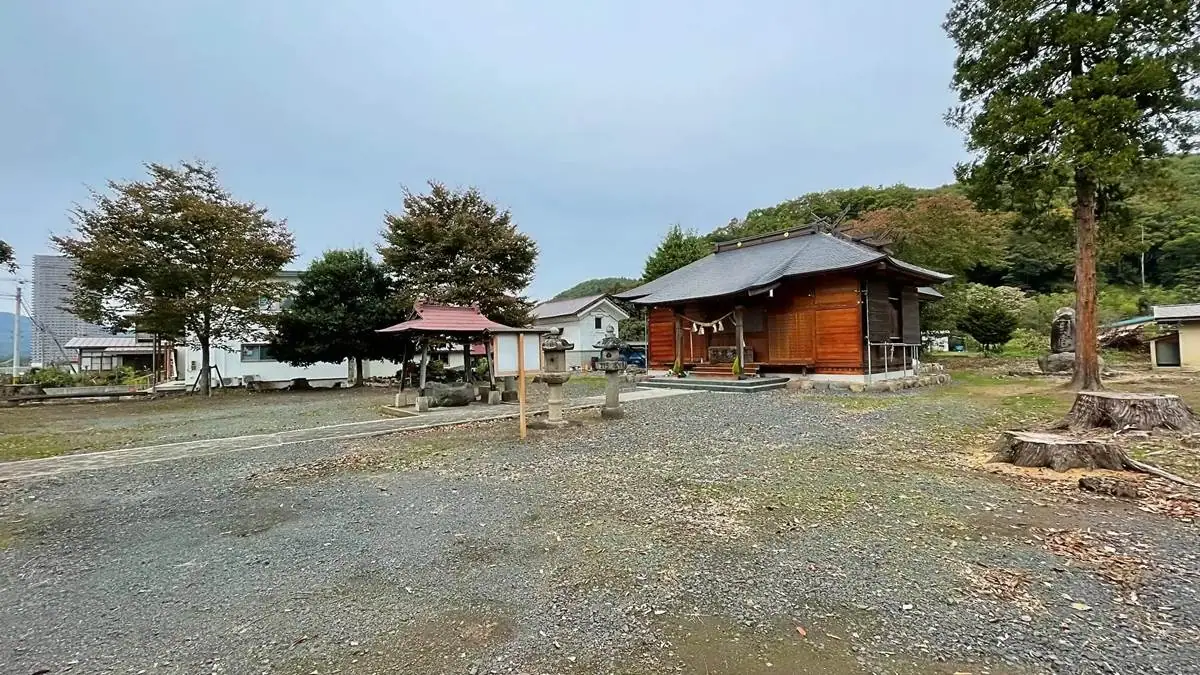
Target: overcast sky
597, 123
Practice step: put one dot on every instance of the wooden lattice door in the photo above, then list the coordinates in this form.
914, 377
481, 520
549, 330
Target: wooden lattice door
791, 329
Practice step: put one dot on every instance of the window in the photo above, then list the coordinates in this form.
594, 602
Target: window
257, 351
599, 323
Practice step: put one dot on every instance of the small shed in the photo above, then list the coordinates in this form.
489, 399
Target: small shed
1179, 345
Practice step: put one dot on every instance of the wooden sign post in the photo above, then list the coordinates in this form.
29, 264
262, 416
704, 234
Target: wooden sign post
511, 360
521, 381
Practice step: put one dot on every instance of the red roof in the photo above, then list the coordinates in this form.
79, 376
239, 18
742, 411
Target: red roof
446, 319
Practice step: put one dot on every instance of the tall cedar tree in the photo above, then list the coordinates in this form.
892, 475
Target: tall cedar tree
1077, 93
8, 258
177, 253
456, 247
678, 248
332, 314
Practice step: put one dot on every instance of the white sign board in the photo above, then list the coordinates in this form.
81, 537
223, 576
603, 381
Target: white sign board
504, 348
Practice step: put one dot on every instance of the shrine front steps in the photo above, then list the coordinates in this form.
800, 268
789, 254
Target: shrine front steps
720, 371
747, 386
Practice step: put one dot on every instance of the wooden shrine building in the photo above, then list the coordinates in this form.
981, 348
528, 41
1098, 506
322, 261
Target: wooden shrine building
797, 301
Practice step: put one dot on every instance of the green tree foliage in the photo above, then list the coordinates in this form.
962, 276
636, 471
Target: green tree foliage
947, 314
334, 311
8, 258
990, 325
177, 253
831, 206
1073, 94
678, 248
603, 286
943, 232
456, 247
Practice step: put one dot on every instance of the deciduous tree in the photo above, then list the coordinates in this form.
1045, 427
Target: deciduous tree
1072, 93
943, 232
177, 250
456, 247
333, 312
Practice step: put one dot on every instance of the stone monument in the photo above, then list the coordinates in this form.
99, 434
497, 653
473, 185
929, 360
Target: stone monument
555, 375
610, 362
1061, 359
1062, 331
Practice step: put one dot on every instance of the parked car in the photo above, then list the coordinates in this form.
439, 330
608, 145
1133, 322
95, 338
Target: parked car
634, 356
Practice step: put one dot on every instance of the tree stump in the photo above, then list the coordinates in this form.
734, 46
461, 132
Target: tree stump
1147, 412
1027, 448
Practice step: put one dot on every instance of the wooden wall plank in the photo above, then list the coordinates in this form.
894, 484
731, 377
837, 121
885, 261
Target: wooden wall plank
911, 320
660, 337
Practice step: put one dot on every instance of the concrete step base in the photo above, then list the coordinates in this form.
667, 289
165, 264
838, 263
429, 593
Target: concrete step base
748, 386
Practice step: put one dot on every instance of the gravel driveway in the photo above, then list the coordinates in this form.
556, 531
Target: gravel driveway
771, 533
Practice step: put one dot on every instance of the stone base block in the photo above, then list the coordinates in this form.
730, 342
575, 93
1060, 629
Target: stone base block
508, 396
612, 413
493, 397
424, 403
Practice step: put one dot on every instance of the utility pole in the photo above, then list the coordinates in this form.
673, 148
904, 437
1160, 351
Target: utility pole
16, 362
1143, 256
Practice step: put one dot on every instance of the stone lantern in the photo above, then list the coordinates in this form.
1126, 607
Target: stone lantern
610, 362
555, 374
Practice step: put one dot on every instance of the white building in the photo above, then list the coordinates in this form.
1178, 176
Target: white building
583, 322
249, 361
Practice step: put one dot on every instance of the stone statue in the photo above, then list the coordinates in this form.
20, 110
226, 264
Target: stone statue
1062, 331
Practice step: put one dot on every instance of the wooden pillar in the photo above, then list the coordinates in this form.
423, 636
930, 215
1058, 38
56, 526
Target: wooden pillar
491, 359
741, 340
678, 340
467, 361
403, 365
421, 371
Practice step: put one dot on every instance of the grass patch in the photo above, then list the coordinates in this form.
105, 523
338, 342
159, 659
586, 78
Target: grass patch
20, 446
1038, 405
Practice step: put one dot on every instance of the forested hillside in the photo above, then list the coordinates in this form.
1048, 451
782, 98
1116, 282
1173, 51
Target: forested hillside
1029, 257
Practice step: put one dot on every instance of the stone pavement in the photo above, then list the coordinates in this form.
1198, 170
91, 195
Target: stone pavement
440, 417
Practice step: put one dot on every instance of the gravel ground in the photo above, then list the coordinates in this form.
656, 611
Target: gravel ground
45, 430
771, 533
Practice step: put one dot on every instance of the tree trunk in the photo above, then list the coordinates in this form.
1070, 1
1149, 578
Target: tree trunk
205, 384
358, 372
1057, 452
1087, 352
1145, 412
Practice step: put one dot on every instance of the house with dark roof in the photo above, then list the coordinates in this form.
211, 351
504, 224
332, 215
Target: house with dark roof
583, 322
801, 301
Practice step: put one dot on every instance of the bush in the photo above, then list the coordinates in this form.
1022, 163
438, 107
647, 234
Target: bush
990, 325
482, 371
960, 297
1025, 342
53, 377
